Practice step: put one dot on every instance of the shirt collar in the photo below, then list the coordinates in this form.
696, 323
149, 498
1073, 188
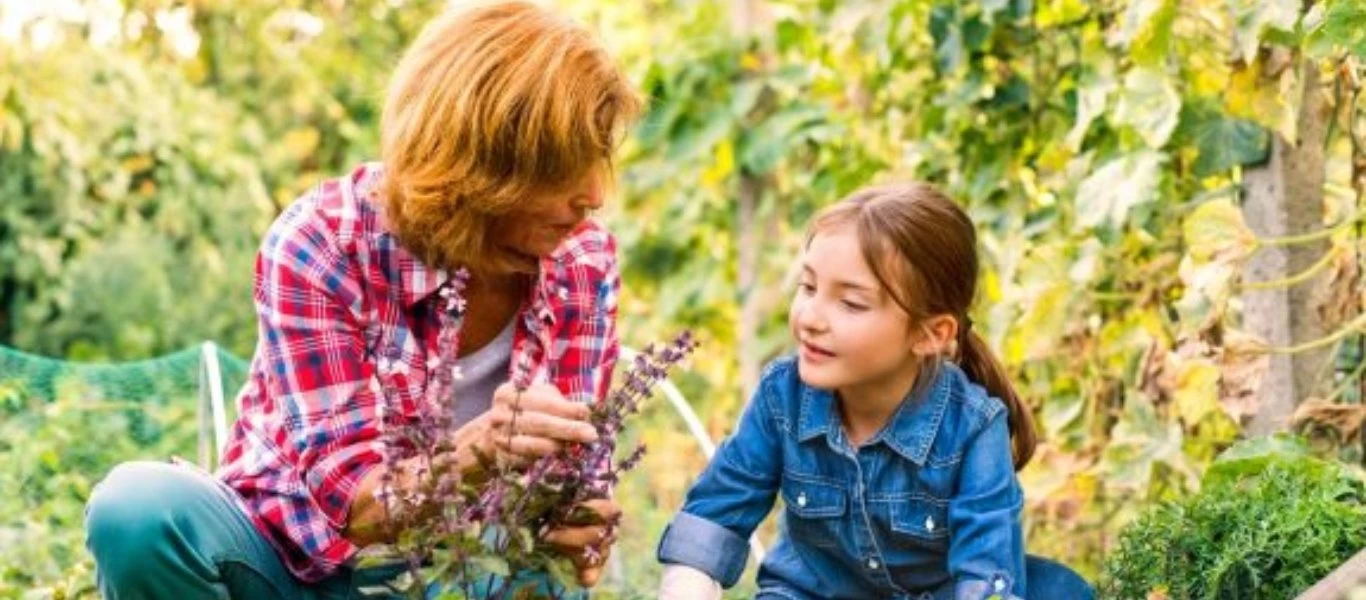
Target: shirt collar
911, 430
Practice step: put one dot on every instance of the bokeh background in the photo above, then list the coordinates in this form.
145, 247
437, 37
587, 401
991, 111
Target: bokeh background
1168, 194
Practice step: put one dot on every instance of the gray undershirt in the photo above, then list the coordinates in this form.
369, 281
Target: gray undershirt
481, 373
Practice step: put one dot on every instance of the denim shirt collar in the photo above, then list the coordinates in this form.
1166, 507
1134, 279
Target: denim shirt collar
910, 432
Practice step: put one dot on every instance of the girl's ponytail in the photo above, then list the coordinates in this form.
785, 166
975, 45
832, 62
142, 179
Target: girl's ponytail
981, 366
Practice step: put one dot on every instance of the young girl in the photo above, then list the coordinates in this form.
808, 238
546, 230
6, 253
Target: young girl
892, 436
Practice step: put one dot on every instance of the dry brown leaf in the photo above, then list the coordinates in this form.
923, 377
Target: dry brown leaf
1243, 366
1343, 419
1338, 299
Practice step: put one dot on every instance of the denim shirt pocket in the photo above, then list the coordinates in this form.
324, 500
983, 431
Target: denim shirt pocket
921, 521
815, 511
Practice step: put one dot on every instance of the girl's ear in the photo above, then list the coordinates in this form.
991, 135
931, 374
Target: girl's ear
938, 336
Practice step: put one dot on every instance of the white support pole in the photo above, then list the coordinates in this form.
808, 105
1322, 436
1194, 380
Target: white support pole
699, 432
211, 405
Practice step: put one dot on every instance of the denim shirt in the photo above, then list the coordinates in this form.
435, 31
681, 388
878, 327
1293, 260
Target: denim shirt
929, 508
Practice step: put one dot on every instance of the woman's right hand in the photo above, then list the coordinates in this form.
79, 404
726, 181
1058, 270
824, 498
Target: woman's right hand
517, 428
522, 426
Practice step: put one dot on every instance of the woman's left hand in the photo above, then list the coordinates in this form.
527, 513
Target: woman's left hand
574, 541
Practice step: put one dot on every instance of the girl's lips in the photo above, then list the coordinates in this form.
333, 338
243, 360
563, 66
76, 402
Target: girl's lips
812, 352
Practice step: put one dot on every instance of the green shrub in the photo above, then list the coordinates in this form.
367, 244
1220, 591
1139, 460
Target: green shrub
1269, 521
51, 456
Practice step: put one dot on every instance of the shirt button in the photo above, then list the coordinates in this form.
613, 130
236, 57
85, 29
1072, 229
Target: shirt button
929, 524
872, 564
1000, 584
801, 499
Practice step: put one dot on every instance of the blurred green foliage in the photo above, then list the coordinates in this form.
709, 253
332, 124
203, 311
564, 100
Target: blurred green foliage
146, 144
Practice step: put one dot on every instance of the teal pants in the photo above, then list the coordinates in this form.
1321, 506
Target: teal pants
162, 531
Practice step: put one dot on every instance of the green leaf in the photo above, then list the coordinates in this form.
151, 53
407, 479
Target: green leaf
1106, 195
1149, 103
562, 571
691, 142
1147, 30
1051, 13
1251, 457
1215, 231
1337, 27
1252, 17
764, 145
1224, 143
947, 32
1140, 440
991, 7
1091, 97
487, 563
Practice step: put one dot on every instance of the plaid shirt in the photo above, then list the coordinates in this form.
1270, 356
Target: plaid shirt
335, 295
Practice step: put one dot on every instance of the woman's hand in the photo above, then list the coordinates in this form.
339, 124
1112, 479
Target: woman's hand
522, 426
575, 541
518, 428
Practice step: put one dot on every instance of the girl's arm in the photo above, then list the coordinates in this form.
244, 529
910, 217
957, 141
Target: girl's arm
986, 546
681, 582
734, 494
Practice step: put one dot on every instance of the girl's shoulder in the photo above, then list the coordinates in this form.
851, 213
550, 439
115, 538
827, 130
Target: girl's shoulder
968, 407
781, 389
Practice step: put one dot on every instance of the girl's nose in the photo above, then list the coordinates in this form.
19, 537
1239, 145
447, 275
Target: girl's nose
809, 318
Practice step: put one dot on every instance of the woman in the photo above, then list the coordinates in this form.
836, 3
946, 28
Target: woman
496, 139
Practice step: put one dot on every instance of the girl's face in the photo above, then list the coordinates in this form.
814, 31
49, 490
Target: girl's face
852, 336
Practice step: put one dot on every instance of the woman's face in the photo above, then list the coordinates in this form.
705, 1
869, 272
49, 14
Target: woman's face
549, 217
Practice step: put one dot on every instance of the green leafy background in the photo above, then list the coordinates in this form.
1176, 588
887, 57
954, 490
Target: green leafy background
145, 145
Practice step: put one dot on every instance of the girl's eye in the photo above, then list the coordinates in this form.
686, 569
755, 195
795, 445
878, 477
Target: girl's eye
806, 288
853, 306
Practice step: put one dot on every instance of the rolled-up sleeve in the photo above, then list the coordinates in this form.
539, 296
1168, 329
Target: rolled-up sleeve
730, 499
986, 554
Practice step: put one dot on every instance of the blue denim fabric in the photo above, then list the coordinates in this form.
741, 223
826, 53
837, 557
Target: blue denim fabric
928, 508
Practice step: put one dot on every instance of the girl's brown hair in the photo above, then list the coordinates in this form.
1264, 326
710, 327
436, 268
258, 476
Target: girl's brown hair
923, 250
490, 104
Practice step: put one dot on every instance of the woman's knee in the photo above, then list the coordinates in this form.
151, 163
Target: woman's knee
136, 510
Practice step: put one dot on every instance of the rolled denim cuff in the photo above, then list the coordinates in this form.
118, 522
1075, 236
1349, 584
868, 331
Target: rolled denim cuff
703, 545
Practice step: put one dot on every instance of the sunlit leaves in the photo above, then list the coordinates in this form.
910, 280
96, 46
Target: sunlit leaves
1149, 103
1252, 17
1266, 92
1338, 27
1106, 196
1225, 142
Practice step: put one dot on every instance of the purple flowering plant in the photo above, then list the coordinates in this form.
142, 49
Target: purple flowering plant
471, 534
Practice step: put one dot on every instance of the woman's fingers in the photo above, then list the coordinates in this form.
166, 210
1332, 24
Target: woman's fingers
527, 445
550, 427
540, 411
540, 398
575, 541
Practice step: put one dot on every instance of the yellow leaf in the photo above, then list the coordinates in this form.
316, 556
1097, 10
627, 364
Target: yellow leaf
1267, 101
723, 166
137, 164
300, 142
1215, 230
1197, 390
750, 62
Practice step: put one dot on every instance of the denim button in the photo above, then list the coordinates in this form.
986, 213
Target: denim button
929, 523
801, 499
872, 564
